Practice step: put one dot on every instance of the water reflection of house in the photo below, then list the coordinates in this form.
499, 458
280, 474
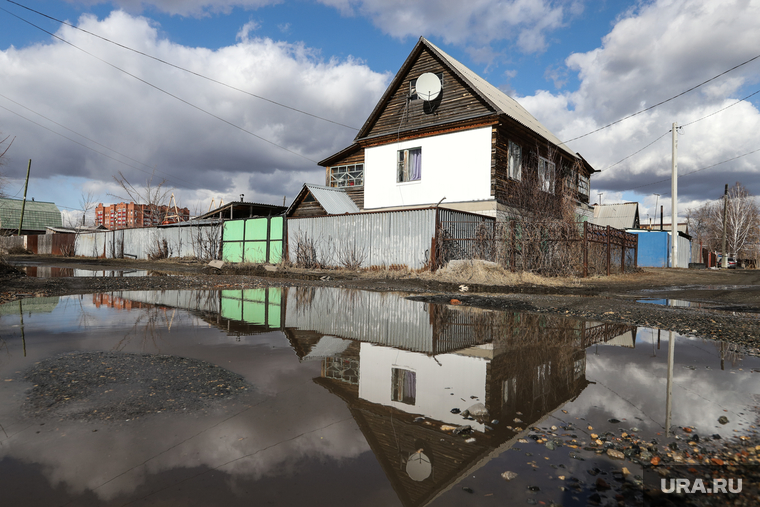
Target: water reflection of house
404, 360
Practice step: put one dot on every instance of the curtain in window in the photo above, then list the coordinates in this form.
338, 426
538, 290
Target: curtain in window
415, 165
410, 386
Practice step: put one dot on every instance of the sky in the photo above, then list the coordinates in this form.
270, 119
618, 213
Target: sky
250, 94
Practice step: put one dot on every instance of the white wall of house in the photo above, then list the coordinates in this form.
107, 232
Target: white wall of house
442, 381
456, 166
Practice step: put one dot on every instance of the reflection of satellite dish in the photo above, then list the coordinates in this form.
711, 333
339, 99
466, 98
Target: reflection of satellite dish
418, 466
428, 86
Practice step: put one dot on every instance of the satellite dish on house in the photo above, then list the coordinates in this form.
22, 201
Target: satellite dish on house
428, 86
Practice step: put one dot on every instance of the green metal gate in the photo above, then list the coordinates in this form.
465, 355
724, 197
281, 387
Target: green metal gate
255, 240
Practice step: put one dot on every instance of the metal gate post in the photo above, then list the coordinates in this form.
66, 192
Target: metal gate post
608, 251
585, 249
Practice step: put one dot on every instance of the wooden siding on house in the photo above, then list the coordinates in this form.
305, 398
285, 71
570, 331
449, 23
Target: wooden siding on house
533, 146
309, 207
457, 102
355, 193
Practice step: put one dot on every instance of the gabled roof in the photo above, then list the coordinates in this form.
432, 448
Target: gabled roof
619, 216
499, 101
37, 214
334, 200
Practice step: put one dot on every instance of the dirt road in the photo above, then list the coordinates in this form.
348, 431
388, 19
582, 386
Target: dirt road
722, 304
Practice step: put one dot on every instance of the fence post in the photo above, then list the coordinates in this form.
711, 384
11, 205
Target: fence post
622, 257
512, 246
636, 253
608, 251
585, 249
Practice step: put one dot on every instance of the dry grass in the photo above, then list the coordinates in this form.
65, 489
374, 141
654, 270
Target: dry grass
484, 273
467, 272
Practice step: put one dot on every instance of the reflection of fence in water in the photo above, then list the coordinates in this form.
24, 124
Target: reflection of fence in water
454, 329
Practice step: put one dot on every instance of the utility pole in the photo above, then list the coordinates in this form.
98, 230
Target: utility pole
724, 259
674, 194
656, 202
23, 203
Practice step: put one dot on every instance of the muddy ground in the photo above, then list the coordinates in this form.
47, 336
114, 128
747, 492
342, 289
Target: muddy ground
725, 304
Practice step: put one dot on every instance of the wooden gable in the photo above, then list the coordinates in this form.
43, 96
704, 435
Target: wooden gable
396, 113
307, 206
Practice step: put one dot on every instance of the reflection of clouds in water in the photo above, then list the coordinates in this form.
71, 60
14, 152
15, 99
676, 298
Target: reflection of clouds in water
292, 419
637, 388
277, 434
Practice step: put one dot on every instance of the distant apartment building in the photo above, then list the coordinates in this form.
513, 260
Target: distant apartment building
131, 215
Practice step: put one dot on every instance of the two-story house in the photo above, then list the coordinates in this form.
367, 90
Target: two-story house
441, 133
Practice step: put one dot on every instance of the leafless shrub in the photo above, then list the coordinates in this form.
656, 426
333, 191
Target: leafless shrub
159, 251
69, 250
350, 255
18, 250
308, 253
206, 242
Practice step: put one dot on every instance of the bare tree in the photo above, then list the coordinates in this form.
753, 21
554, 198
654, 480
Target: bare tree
742, 222
154, 196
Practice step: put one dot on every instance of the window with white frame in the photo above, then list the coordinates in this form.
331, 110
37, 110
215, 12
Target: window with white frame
347, 175
583, 185
546, 175
409, 167
403, 386
515, 161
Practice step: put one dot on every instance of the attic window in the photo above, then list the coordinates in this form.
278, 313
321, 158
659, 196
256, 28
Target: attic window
347, 175
413, 86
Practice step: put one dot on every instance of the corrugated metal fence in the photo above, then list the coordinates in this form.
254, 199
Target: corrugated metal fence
201, 241
366, 240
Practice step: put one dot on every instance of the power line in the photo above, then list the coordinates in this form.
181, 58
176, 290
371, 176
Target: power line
73, 131
685, 125
182, 68
162, 90
695, 171
635, 153
72, 140
664, 101
721, 110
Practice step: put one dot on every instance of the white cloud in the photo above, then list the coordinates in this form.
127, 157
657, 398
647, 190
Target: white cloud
652, 53
199, 155
526, 22
195, 8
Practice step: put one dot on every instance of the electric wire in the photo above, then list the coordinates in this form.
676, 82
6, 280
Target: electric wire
182, 68
162, 90
89, 147
664, 101
692, 172
73, 131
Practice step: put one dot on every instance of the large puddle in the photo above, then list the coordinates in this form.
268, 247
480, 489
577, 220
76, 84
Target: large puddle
349, 398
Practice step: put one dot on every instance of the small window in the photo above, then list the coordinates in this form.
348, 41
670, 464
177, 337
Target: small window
409, 165
515, 161
546, 175
347, 176
404, 386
